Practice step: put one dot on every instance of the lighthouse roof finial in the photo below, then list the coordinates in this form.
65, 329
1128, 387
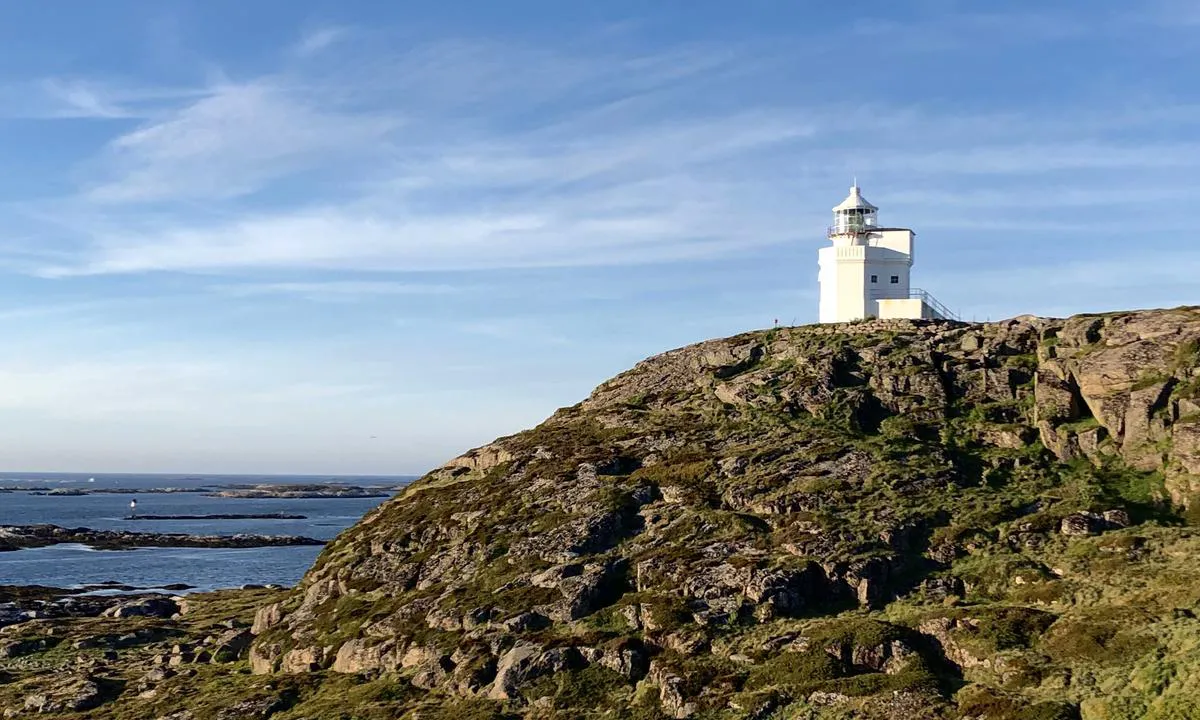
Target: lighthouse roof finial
855, 200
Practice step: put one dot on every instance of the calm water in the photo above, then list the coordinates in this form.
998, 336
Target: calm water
70, 565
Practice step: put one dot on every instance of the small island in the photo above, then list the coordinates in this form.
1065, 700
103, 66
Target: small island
315, 490
20, 537
221, 516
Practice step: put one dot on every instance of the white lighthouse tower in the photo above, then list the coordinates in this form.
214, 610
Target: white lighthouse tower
865, 271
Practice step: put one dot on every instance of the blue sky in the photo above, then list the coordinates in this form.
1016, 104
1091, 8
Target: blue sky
360, 237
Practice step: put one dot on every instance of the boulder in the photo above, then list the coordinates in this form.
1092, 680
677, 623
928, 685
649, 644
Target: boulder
433, 673
1081, 523
231, 645
73, 694
1091, 523
785, 593
627, 658
252, 709
517, 665
29, 646
302, 660
264, 658
157, 607
672, 695
267, 617
525, 663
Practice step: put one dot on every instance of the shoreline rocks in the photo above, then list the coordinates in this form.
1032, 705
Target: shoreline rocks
24, 603
74, 604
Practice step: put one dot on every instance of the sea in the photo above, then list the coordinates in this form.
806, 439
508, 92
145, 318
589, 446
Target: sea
74, 566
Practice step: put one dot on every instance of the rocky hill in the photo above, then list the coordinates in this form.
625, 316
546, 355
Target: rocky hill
877, 520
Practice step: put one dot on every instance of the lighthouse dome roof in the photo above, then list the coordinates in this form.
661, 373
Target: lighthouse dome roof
855, 200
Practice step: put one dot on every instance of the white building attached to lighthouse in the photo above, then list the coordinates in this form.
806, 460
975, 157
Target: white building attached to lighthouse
865, 272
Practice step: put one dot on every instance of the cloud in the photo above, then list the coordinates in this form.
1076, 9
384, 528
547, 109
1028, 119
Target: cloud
460, 155
98, 389
1178, 15
549, 197
688, 191
944, 30
89, 310
78, 98
333, 238
142, 402
525, 330
335, 290
231, 142
320, 39
82, 100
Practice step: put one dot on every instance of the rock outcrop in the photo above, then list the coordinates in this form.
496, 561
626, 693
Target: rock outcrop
756, 481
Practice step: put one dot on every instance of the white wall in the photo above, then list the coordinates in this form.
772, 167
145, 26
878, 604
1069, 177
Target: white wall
847, 292
907, 309
900, 241
843, 283
884, 264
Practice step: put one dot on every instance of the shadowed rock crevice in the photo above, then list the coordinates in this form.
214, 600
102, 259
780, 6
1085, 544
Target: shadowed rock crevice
753, 356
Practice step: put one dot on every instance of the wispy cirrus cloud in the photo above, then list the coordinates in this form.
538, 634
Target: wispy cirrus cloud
96, 388
574, 190
231, 142
80, 99
320, 39
83, 98
524, 330
462, 156
335, 290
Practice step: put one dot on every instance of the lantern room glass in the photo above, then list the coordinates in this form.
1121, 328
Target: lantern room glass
854, 220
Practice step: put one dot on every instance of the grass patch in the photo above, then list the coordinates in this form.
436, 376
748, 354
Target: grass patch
809, 668
992, 629
1110, 636
990, 704
591, 687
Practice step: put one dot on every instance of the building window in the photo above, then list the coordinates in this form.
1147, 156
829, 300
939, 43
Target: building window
874, 278
895, 279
